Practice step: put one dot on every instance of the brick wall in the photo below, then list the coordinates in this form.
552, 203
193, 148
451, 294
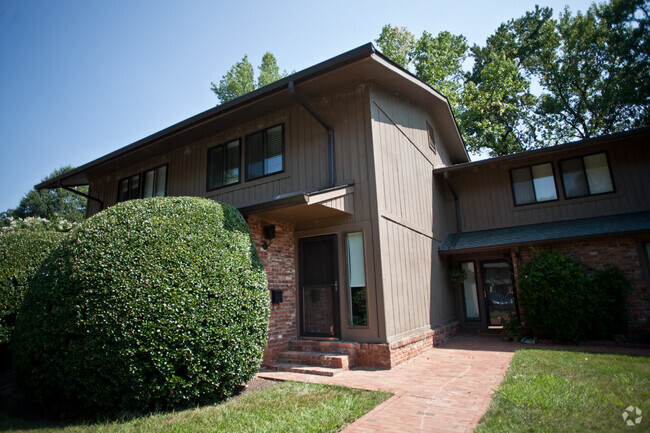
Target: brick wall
280, 264
393, 354
602, 253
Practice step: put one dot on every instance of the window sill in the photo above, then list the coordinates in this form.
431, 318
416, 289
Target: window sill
248, 184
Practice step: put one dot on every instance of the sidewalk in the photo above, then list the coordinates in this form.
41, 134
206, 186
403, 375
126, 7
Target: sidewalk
446, 389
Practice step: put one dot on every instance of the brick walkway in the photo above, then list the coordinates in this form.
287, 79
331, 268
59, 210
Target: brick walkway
446, 389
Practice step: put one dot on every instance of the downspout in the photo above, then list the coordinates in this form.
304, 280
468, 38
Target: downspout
459, 222
67, 188
330, 133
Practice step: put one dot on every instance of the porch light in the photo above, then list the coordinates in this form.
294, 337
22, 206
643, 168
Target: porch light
269, 235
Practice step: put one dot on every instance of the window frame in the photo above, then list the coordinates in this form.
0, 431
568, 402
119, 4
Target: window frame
348, 295
532, 180
141, 180
431, 137
129, 178
263, 131
582, 162
240, 159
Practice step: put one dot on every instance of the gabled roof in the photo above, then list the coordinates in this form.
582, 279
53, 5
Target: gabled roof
361, 64
543, 233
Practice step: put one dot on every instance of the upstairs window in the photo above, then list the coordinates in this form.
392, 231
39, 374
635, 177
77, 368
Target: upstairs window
155, 182
223, 165
431, 135
265, 152
533, 184
587, 175
128, 188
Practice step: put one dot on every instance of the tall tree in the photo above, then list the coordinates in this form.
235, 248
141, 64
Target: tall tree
396, 43
52, 203
269, 70
240, 78
238, 81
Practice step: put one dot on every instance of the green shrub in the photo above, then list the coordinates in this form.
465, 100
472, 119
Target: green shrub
562, 303
21, 254
149, 305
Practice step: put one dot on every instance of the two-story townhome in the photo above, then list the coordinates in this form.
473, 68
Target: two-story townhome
360, 198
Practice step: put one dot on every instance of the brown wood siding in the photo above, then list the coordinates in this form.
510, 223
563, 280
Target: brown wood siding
405, 197
305, 157
487, 202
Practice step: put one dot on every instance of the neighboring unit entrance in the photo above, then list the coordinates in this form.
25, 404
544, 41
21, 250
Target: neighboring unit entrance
498, 290
319, 298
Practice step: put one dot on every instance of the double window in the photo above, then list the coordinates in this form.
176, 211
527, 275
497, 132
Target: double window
152, 183
264, 155
533, 184
587, 175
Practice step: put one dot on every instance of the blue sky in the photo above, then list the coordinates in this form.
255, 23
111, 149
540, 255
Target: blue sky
79, 79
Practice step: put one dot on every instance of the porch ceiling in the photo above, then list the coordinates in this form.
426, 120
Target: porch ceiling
457, 243
302, 206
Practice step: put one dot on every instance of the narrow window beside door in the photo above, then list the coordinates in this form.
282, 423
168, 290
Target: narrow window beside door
357, 296
469, 292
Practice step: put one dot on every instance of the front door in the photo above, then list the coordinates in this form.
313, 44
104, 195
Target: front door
498, 291
319, 287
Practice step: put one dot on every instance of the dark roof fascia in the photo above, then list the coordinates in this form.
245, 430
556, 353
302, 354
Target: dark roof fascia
321, 68
546, 150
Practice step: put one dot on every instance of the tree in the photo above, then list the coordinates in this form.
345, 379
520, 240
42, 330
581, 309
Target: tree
397, 43
240, 78
52, 203
269, 70
238, 81
592, 69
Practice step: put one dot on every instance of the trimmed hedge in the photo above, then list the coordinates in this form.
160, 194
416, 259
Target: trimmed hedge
567, 302
21, 255
149, 305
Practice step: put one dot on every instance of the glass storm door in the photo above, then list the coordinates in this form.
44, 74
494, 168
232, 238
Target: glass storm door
498, 290
319, 287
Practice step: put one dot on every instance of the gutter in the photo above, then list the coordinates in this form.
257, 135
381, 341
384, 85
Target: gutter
324, 124
67, 188
459, 222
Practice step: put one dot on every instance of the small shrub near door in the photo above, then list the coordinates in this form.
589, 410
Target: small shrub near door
567, 302
149, 305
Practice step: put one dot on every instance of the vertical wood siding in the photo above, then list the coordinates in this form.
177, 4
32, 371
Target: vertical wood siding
415, 295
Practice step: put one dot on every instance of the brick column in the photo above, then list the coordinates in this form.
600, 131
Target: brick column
280, 265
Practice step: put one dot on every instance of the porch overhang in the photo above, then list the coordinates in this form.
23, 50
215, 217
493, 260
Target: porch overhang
303, 206
536, 234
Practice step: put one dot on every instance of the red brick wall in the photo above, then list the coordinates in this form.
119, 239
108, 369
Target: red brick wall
391, 355
602, 253
280, 264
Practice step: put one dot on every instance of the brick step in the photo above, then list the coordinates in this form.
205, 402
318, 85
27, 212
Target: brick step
306, 369
322, 359
323, 346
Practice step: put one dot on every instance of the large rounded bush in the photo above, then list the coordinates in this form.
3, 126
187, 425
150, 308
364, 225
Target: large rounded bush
21, 255
149, 305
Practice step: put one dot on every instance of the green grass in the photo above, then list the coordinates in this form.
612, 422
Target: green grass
287, 407
567, 391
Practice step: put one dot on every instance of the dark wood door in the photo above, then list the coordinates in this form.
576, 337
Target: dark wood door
319, 297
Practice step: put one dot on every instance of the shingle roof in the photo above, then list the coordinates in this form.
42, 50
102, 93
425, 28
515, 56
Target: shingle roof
538, 233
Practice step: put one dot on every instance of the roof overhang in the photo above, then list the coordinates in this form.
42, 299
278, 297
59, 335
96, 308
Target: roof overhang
301, 206
361, 65
536, 234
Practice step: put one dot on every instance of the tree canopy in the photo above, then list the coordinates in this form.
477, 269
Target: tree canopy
240, 78
52, 204
590, 72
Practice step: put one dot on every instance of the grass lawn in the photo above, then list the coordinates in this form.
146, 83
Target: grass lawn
287, 407
567, 391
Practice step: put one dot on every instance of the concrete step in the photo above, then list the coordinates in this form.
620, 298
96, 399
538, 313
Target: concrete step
306, 369
323, 346
322, 359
